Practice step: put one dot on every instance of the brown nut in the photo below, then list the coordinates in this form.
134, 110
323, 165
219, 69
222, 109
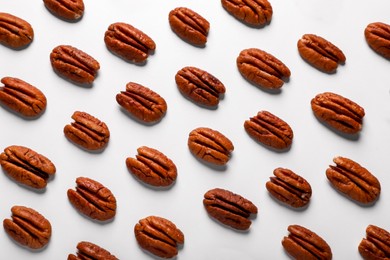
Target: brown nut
289, 188
92, 199
26, 166
320, 53
303, 243
338, 112
22, 97
269, 130
210, 145
158, 236
128, 42
255, 13
28, 227
189, 25
377, 36
87, 131
353, 180
88, 250
74, 64
376, 245
262, 69
229, 208
142, 102
15, 32
71, 10
199, 86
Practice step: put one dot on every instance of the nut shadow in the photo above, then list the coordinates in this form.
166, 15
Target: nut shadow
149, 186
352, 137
32, 250
274, 91
251, 25
323, 71
221, 97
82, 85
244, 232
149, 254
140, 64
99, 222
219, 168
24, 186
63, 19
99, 151
27, 118
272, 149
132, 117
301, 209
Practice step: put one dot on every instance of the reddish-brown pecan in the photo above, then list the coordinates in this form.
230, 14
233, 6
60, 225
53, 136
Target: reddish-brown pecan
15, 32
377, 35
71, 10
376, 245
88, 250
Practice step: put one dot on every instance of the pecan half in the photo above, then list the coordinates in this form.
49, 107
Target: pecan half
338, 112
128, 42
199, 86
229, 208
289, 188
320, 53
93, 199
376, 245
88, 250
210, 145
15, 32
142, 102
377, 36
189, 25
87, 131
158, 236
74, 64
269, 130
303, 243
26, 166
262, 69
353, 180
71, 10
28, 227
252, 12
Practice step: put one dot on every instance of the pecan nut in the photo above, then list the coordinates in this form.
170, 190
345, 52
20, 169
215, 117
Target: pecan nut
74, 64
26, 166
303, 243
93, 199
88, 250
22, 97
320, 53
158, 236
142, 102
229, 208
255, 13
210, 145
376, 245
289, 188
189, 25
87, 131
28, 227
338, 112
377, 36
262, 69
353, 180
71, 10
269, 130
128, 42
15, 32
199, 86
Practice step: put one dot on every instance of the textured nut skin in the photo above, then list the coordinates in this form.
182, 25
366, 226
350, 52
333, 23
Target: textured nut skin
158, 236
74, 64
262, 69
210, 145
255, 13
71, 10
320, 53
229, 208
377, 36
189, 25
15, 32
376, 245
28, 227
22, 97
289, 188
26, 166
303, 243
128, 42
142, 102
87, 131
199, 86
269, 130
353, 180
92, 199
152, 167
88, 250
338, 112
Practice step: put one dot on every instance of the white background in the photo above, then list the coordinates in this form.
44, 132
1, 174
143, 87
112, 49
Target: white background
364, 79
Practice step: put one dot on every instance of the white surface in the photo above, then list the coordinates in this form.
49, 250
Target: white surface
364, 79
